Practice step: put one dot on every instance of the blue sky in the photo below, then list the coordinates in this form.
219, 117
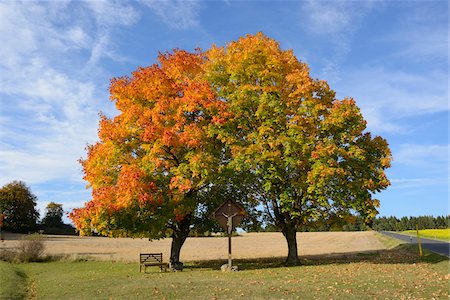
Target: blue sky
57, 57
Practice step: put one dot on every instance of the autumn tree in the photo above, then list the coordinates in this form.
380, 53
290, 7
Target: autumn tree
53, 215
310, 153
18, 205
151, 169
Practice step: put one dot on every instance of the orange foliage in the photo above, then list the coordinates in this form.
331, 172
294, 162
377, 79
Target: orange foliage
158, 149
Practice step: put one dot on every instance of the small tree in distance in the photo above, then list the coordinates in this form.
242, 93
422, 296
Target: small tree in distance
53, 215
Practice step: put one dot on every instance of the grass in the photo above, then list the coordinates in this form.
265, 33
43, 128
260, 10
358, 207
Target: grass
394, 273
437, 234
11, 281
388, 241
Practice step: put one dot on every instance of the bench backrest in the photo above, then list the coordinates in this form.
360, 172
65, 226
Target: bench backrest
151, 257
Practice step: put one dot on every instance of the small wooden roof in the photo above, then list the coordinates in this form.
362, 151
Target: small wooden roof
229, 208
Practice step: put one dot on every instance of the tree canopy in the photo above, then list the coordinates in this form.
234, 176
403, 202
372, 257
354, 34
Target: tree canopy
53, 215
18, 204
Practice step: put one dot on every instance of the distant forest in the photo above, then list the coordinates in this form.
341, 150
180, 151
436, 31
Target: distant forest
410, 223
379, 224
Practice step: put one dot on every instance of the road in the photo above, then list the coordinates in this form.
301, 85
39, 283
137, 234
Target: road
439, 247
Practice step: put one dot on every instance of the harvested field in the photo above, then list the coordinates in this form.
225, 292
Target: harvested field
247, 245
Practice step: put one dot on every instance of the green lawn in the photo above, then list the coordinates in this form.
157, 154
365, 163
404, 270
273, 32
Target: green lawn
437, 234
12, 281
395, 273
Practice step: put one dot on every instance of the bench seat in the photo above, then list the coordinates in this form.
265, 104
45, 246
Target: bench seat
151, 259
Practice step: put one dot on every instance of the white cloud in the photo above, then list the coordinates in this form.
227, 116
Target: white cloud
386, 96
78, 37
109, 15
332, 17
177, 14
49, 105
113, 13
424, 156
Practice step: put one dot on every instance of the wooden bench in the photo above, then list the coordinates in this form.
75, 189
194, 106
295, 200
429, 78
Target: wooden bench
151, 259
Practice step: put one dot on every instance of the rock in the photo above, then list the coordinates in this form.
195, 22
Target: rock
225, 268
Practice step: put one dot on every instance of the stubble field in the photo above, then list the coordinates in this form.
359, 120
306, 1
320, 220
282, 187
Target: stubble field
247, 245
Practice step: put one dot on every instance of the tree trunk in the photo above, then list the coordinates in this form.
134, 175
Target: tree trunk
179, 235
290, 233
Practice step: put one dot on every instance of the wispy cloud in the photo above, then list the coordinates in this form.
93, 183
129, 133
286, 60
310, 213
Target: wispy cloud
414, 183
49, 98
428, 156
333, 17
108, 15
176, 14
423, 43
389, 86
113, 13
421, 167
429, 39
386, 96
336, 22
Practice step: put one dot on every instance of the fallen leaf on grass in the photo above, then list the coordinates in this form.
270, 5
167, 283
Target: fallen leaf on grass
294, 281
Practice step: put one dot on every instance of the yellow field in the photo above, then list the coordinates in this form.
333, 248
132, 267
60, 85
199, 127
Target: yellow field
439, 234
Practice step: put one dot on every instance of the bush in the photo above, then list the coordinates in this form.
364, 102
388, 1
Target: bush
30, 249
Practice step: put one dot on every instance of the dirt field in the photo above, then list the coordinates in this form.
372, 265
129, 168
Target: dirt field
248, 245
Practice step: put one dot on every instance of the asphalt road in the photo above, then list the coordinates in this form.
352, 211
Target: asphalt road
439, 247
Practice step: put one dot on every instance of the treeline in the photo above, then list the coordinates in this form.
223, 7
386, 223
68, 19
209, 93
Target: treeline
379, 224
409, 223
356, 225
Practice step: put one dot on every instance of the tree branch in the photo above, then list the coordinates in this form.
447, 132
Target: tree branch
168, 151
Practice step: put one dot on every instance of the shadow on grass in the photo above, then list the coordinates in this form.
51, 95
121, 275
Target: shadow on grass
402, 254
21, 274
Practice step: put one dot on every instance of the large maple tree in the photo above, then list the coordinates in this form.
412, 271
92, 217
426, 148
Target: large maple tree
156, 156
309, 153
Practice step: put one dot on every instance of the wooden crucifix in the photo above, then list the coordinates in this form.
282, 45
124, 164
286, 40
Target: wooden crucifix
229, 215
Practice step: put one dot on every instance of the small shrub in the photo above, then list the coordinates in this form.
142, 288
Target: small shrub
31, 249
